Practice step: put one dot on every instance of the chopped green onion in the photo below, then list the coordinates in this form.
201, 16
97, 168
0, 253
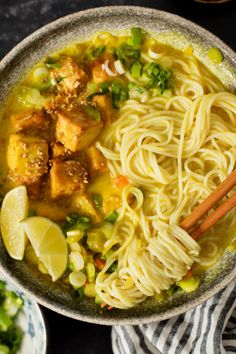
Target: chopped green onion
93, 113
112, 217
5, 320
104, 86
188, 284
52, 65
91, 272
76, 221
136, 33
77, 279
124, 94
96, 240
89, 290
116, 87
97, 199
127, 54
136, 69
112, 267
96, 52
103, 89
80, 292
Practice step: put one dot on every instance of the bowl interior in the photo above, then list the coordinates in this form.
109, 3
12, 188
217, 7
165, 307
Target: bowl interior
77, 27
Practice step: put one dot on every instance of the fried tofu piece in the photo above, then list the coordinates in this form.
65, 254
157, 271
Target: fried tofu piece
98, 74
27, 158
50, 211
84, 205
97, 162
103, 102
71, 77
30, 122
58, 151
75, 130
66, 177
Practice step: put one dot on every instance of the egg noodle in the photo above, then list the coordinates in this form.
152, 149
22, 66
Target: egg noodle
175, 151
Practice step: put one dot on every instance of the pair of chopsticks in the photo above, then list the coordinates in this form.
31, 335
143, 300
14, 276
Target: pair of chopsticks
188, 223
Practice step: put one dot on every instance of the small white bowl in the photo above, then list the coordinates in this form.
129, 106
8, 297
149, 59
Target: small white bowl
30, 320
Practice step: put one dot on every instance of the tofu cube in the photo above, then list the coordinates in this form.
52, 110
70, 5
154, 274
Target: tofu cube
97, 162
98, 74
66, 177
58, 151
75, 130
30, 122
103, 102
27, 158
70, 76
84, 205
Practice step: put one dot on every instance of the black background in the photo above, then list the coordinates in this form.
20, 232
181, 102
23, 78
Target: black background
18, 18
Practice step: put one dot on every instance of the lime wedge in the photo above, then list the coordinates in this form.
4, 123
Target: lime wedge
14, 210
49, 244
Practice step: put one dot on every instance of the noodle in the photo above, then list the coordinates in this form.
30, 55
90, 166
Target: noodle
174, 151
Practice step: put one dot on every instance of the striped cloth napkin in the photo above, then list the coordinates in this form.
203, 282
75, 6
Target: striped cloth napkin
210, 328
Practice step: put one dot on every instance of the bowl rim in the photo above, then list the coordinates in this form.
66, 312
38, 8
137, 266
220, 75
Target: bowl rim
52, 304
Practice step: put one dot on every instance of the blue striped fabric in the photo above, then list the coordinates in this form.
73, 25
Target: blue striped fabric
210, 328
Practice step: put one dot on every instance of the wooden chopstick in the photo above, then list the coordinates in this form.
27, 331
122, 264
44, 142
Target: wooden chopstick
209, 202
222, 210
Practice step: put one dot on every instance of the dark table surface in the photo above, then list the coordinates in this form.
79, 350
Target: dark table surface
18, 18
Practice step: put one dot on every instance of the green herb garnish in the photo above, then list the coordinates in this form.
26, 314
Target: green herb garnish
112, 217
76, 221
97, 199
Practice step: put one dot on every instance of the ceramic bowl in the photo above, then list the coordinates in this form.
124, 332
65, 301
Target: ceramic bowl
170, 29
30, 320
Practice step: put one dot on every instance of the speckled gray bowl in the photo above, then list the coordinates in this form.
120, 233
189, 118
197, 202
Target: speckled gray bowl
78, 27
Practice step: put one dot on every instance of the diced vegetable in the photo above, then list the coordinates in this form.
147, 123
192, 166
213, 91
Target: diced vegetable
77, 279
215, 55
98, 300
51, 64
121, 181
77, 260
30, 97
127, 54
112, 268
189, 284
12, 303
136, 69
139, 93
112, 217
136, 34
107, 228
74, 235
90, 268
89, 290
40, 73
96, 240
95, 53
5, 321
99, 263
75, 221
97, 199
119, 67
